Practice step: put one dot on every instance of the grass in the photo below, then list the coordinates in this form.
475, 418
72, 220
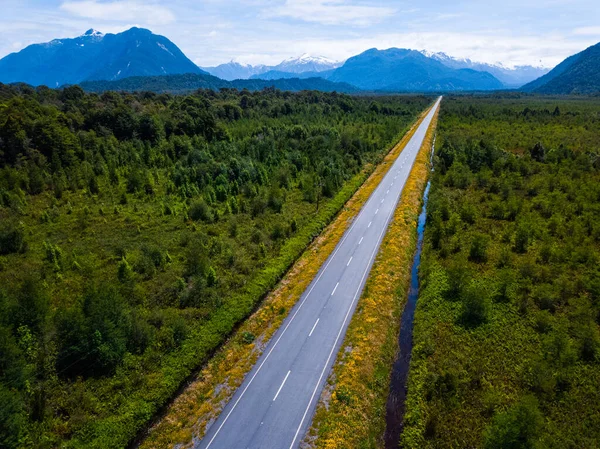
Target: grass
202, 401
351, 411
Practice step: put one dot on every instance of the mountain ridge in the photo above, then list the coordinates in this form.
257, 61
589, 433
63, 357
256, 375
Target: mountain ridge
95, 56
296, 65
511, 77
402, 70
577, 74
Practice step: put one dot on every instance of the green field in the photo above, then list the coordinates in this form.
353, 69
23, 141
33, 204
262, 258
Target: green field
506, 340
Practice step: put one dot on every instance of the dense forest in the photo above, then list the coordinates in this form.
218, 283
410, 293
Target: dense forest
507, 338
190, 82
136, 230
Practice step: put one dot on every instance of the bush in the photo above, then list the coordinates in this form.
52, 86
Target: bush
93, 336
522, 238
12, 418
479, 246
12, 239
199, 210
33, 304
125, 272
516, 428
476, 304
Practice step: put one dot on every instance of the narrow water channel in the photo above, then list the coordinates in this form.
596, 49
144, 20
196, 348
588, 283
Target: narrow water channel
395, 406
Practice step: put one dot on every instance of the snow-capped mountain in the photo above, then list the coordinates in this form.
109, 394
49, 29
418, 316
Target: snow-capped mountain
406, 70
234, 70
510, 76
299, 65
307, 63
95, 56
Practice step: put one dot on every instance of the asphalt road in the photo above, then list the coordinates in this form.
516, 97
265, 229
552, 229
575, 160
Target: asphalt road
274, 405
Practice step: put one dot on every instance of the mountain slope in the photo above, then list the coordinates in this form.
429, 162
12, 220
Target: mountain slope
511, 77
578, 74
190, 82
95, 56
398, 69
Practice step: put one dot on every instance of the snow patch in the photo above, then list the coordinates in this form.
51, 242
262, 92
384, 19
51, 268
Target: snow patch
165, 48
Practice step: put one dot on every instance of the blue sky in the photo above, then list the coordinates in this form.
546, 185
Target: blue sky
268, 31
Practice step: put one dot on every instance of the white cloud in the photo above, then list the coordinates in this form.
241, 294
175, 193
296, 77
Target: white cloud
542, 50
330, 12
587, 31
121, 10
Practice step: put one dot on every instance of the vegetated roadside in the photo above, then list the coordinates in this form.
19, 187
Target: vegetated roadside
137, 230
202, 401
351, 410
507, 338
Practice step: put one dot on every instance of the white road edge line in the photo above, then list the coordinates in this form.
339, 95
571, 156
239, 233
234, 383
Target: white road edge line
335, 288
344, 323
349, 261
313, 328
281, 386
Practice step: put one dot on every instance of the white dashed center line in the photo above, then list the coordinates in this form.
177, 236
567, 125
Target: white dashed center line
313, 328
361, 239
281, 386
369, 224
349, 261
335, 288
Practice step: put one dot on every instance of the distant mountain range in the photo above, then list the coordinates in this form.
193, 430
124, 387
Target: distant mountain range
288, 68
511, 77
307, 66
135, 54
95, 56
578, 74
398, 70
190, 82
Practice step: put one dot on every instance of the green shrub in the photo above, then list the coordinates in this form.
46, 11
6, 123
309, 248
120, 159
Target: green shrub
12, 239
476, 303
479, 246
516, 428
124, 271
199, 210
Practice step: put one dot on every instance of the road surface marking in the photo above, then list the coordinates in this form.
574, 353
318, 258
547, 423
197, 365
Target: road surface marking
361, 239
388, 191
349, 261
382, 201
313, 328
282, 384
335, 288
369, 224
376, 211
